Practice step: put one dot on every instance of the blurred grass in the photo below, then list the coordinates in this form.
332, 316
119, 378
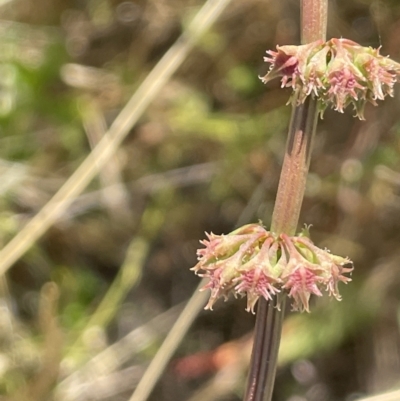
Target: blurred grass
206, 151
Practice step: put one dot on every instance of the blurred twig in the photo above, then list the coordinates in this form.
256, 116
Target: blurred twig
127, 276
112, 139
42, 382
116, 201
104, 387
392, 396
116, 355
149, 184
36, 189
170, 344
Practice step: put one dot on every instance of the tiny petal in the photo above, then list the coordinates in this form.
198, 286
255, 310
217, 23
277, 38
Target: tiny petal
315, 72
255, 283
334, 265
346, 82
258, 276
381, 72
214, 285
302, 282
301, 276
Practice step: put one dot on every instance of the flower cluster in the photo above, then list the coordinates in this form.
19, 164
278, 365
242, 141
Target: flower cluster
338, 73
255, 262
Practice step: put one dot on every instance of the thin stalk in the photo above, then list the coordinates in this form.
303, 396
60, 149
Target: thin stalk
314, 19
267, 332
268, 328
294, 172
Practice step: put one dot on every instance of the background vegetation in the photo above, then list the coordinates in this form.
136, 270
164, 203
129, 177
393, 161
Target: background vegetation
85, 309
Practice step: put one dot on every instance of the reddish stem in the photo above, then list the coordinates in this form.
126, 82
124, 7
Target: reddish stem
314, 18
268, 328
294, 172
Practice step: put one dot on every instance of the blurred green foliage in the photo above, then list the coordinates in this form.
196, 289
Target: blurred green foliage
205, 155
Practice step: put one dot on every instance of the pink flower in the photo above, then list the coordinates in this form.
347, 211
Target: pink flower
223, 255
314, 76
332, 264
301, 283
289, 62
255, 283
338, 73
254, 262
214, 285
259, 276
302, 277
219, 247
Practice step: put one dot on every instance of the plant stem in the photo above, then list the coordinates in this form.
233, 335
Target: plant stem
285, 217
268, 328
267, 333
294, 172
314, 19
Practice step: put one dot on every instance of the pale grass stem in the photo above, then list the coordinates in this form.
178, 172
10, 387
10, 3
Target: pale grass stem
113, 138
101, 155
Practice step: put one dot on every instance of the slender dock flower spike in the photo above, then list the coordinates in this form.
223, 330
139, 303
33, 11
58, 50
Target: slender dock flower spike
255, 262
338, 73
